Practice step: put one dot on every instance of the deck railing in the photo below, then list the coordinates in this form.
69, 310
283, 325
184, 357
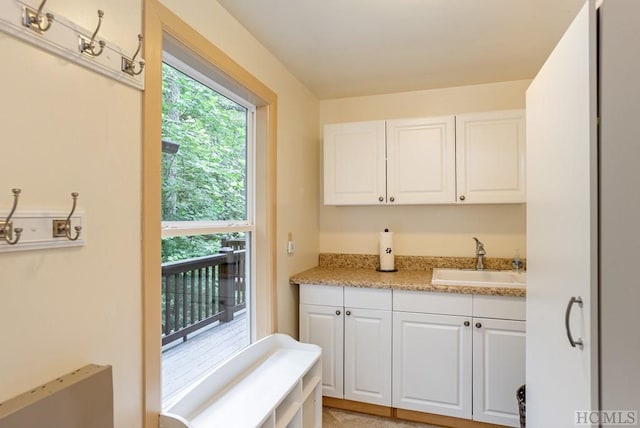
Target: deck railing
200, 291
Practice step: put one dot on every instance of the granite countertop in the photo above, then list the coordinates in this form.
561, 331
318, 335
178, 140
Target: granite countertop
333, 271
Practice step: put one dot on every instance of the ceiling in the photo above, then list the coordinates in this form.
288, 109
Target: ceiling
345, 48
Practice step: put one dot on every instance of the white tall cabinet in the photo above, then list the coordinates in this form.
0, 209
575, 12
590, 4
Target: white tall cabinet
583, 235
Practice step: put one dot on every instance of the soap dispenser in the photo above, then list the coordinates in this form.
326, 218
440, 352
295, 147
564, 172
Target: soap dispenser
517, 264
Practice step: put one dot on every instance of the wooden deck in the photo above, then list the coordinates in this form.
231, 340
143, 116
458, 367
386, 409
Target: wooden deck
187, 361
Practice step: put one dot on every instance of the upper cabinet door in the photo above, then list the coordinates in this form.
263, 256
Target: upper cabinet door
421, 161
490, 157
354, 163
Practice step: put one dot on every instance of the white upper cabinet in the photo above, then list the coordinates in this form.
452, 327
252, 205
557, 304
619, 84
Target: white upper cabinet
466, 159
421, 161
490, 157
355, 163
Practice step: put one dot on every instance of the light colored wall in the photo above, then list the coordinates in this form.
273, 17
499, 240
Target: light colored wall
68, 129
298, 171
434, 230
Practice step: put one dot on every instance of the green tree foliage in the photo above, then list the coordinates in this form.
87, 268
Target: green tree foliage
206, 179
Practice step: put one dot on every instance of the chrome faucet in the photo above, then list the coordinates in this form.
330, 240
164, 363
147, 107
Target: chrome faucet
480, 253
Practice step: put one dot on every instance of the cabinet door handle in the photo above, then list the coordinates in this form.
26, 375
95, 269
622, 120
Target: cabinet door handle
381, 199
348, 313
478, 325
567, 313
338, 312
392, 199
467, 323
462, 197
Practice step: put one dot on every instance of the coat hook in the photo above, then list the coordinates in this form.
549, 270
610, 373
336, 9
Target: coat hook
89, 46
35, 20
67, 223
7, 227
128, 65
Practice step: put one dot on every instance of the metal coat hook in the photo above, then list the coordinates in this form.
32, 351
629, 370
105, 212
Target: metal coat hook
7, 227
89, 46
128, 65
35, 20
67, 223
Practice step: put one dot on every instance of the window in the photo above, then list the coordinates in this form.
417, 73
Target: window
207, 223
164, 29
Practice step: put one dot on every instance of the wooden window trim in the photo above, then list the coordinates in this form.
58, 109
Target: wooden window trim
158, 21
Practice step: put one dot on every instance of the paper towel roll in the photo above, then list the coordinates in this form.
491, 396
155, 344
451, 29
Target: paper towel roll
387, 262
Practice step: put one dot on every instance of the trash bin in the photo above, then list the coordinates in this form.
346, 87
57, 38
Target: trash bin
522, 406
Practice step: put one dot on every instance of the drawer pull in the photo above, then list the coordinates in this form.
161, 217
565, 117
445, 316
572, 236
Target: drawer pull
338, 312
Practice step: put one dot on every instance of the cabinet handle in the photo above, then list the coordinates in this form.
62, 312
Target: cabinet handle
348, 313
337, 312
462, 197
478, 325
574, 343
467, 323
381, 199
392, 199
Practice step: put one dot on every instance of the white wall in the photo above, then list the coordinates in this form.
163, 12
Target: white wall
435, 230
67, 129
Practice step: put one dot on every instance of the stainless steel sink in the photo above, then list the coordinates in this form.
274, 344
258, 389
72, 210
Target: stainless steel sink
479, 278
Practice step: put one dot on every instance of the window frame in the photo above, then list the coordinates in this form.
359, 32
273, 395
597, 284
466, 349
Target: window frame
159, 22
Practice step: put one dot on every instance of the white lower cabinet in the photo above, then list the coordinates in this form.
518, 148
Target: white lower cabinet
432, 363
323, 326
355, 336
449, 354
367, 356
498, 369
458, 355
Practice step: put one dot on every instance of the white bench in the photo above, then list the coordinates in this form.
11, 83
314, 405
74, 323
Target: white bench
275, 382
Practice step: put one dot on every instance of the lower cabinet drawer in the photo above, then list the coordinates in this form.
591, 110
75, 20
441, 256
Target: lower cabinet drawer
432, 303
368, 298
502, 307
326, 295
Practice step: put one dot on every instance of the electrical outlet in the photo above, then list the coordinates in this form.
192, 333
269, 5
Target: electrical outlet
290, 246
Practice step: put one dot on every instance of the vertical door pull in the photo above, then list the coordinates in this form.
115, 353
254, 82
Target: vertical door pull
574, 343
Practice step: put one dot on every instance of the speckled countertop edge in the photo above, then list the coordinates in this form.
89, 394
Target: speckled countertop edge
414, 274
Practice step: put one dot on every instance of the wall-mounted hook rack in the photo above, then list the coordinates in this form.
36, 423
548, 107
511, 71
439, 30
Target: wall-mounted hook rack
128, 65
35, 20
8, 230
88, 46
29, 21
34, 232
62, 228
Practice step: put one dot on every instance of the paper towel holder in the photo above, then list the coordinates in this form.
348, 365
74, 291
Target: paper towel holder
388, 251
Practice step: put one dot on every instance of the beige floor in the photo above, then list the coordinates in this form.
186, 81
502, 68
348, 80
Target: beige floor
334, 418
